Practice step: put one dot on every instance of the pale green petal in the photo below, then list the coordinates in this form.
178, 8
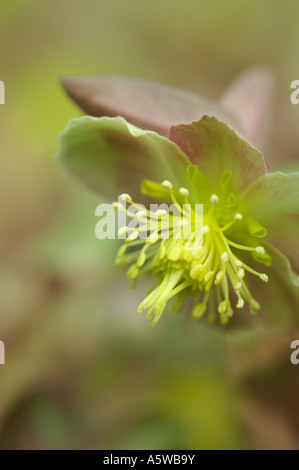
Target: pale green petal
273, 200
217, 149
250, 99
279, 297
111, 156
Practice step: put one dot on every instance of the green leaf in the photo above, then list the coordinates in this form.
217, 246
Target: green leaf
217, 149
111, 156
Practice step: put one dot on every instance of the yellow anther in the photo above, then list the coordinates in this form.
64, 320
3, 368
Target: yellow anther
132, 236
223, 306
214, 199
205, 229
254, 306
162, 251
152, 238
122, 231
140, 214
175, 253
224, 319
122, 251
133, 272
166, 184
160, 212
224, 257
195, 271
125, 197
184, 192
199, 310
264, 277
241, 273
188, 256
208, 276
183, 222
141, 259
219, 277
229, 312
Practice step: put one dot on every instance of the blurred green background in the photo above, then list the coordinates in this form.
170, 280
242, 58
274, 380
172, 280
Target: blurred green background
83, 370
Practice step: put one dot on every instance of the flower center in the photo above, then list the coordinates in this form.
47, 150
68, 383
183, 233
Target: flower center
194, 250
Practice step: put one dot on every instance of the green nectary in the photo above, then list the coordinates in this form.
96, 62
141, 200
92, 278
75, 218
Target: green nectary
193, 253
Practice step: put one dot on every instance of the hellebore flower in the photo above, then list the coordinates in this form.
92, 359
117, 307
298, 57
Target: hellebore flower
250, 217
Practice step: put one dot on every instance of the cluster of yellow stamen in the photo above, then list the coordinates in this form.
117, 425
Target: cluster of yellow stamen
205, 262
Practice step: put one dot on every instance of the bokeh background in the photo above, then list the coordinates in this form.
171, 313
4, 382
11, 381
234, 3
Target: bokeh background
83, 370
